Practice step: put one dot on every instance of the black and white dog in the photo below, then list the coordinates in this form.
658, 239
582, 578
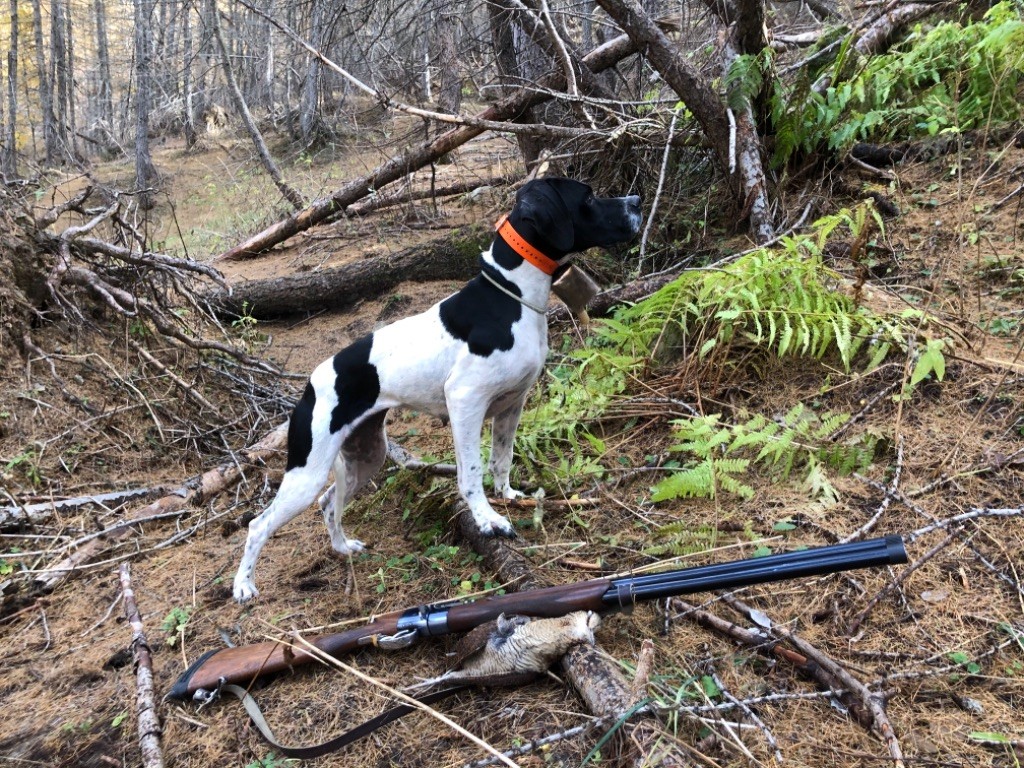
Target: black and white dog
471, 357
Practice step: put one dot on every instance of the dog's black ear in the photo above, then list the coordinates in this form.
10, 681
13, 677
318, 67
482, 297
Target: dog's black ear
542, 203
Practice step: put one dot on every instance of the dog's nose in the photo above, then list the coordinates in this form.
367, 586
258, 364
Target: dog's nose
633, 201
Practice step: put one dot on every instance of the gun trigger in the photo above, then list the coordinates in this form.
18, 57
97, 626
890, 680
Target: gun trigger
205, 697
397, 641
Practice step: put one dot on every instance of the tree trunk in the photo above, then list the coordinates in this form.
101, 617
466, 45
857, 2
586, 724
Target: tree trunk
289, 194
506, 60
45, 90
454, 257
188, 117
412, 159
449, 90
10, 159
742, 160
145, 173
309, 113
104, 95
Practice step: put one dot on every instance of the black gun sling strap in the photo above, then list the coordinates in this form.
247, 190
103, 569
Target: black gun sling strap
344, 739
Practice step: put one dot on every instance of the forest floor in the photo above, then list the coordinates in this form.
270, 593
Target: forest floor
947, 648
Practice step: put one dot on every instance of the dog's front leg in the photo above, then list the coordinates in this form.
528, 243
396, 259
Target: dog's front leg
503, 436
467, 410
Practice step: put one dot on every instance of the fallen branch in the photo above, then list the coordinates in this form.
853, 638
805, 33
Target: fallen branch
453, 257
150, 729
873, 703
195, 492
507, 109
599, 683
33, 514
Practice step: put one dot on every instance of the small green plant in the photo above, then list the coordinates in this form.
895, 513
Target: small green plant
247, 328
174, 624
797, 441
272, 761
27, 463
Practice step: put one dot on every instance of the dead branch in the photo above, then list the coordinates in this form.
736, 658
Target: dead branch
506, 109
406, 460
33, 514
599, 683
150, 729
195, 492
873, 703
736, 145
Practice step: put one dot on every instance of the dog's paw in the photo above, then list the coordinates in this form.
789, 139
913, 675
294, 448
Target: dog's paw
495, 525
244, 590
511, 493
348, 546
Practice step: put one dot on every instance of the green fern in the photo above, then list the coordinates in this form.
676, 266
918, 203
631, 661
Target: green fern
781, 301
949, 78
678, 539
794, 442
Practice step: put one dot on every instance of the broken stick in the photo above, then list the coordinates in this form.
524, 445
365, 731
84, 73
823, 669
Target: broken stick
150, 729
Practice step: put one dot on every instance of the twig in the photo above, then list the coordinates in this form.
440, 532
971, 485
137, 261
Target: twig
752, 716
149, 721
974, 514
886, 500
544, 741
897, 583
406, 460
657, 192
872, 702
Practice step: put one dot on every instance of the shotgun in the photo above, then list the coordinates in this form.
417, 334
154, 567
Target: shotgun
244, 664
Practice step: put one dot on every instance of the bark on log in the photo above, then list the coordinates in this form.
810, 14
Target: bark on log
507, 109
453, 257
149, 727
598, 682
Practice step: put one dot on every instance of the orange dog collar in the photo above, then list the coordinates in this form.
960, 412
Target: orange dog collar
515, 241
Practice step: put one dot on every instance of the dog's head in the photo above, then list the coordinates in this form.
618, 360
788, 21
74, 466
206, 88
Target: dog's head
562, 216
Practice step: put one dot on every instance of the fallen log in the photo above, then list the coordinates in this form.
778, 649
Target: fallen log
505, 110
598, 681
453, 257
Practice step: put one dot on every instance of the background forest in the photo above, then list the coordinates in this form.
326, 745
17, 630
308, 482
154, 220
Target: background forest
816, 338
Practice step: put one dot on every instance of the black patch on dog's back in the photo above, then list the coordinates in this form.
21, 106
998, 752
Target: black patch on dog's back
481, 315
355, 381
300, 429
357, 385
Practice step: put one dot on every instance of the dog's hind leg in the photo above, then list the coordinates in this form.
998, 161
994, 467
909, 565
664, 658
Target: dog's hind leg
503, 435
299, 488
360, 458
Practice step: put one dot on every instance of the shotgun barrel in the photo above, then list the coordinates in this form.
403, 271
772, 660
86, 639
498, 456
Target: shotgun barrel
242, 665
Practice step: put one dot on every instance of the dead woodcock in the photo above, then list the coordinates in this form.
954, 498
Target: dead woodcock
514, 650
